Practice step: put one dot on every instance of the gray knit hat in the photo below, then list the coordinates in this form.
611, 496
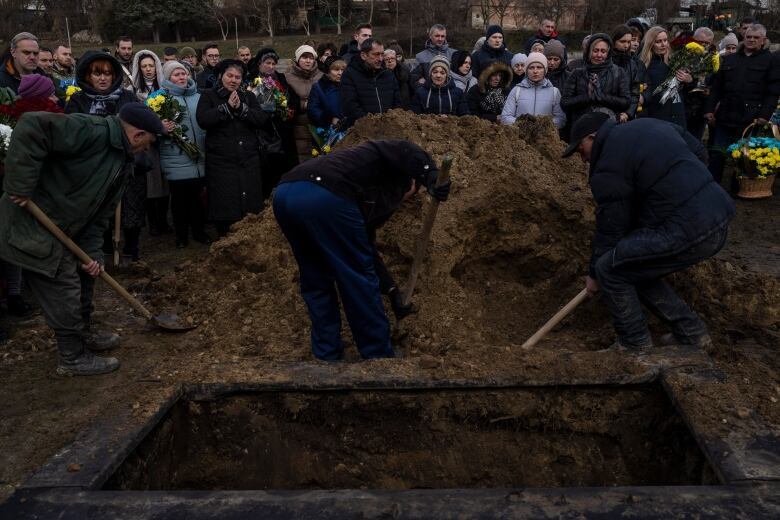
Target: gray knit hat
554, 48
439, 61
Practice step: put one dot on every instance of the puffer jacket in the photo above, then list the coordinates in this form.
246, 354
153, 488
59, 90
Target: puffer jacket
174, 163
448, 99
463, 82
559, 76
637, 74
478, 93
649, 186
324, 102
745, 88
613, 96
536, 99
657, 73
424, 58
486, 56
367, 91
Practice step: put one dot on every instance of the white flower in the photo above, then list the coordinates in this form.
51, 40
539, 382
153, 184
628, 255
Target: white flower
5, 135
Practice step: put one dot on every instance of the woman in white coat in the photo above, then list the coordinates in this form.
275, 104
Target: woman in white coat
535, 95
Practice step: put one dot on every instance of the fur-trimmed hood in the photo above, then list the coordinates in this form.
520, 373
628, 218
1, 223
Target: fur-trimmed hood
491, 69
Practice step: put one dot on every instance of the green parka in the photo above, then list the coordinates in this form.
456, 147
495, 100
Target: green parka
75, 167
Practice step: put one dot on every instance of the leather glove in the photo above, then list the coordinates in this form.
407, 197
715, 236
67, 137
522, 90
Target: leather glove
396, 302
440, 193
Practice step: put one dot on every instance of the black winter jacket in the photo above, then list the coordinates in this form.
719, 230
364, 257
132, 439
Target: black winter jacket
375, 175
232, 154
367, 91
82, 102
448, 100
207, 79
652, 190
613, 96
637, 74
657, 72
487, 55
745, 88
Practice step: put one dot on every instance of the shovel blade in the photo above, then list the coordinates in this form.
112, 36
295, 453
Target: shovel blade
172, 323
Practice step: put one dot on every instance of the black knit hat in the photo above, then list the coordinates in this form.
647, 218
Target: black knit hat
583, 127
493, 29
141, 117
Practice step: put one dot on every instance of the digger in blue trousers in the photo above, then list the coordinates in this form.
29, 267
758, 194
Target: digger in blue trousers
328, 209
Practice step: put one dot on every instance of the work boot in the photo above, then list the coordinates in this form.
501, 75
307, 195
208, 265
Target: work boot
619, 346
75, 360
99, 340
672, 340
400, 309
17, 306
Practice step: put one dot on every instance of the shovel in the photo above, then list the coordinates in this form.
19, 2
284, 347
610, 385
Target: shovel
555, 320
425, 234
167, 322
117, 232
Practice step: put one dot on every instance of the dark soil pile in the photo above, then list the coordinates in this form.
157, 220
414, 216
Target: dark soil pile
508, 249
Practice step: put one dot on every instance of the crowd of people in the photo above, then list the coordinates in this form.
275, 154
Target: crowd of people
253, 123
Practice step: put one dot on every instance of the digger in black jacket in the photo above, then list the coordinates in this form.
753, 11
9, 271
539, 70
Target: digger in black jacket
658, 211
328, 209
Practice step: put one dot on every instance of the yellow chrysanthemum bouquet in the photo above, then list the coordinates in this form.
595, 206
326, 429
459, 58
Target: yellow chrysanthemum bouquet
693, 58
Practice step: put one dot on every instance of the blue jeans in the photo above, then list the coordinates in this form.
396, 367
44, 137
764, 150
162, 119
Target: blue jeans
329, 240
624, 288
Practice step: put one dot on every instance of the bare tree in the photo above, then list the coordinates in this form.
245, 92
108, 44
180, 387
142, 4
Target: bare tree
264, 13
485, 8
501, 8
305, 19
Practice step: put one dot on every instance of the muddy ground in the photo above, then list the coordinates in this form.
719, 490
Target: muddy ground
508, 249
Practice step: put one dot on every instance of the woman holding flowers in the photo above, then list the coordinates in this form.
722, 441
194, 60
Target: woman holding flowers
655, 55
146, 76
185, 174
271, 89
301, 77
232, 119
324, 100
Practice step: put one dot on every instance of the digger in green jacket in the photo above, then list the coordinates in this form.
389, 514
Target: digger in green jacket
75, 168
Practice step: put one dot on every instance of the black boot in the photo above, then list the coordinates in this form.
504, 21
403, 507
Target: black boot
400, 309
75, 360
99, 340
669, 340
17, 306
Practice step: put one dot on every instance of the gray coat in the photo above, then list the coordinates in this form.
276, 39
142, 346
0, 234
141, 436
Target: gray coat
536, 99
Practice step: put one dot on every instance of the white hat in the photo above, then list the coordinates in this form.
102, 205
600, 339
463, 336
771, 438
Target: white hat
304, 49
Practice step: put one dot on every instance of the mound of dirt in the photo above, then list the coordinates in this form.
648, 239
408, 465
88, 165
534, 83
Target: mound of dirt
508, 249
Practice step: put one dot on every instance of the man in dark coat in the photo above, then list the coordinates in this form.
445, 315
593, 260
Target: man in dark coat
493, 50
546, 32
74, 167
745, 89
658, 211
22, 60
326, 208
351, 50
207, 79
367, 87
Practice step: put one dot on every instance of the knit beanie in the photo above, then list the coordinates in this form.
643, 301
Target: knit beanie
439, 61
729, 39
519, 58
35, 85
303, 49
493, 29
187, 51
537, 57
169, 66
554, 48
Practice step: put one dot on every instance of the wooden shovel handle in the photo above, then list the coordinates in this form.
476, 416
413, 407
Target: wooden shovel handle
425, 234
117, 232
41, 217
555, 320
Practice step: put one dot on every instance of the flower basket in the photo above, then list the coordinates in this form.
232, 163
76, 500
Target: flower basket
755, 188
758, 161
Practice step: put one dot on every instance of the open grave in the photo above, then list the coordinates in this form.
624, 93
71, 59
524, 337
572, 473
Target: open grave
466, 425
